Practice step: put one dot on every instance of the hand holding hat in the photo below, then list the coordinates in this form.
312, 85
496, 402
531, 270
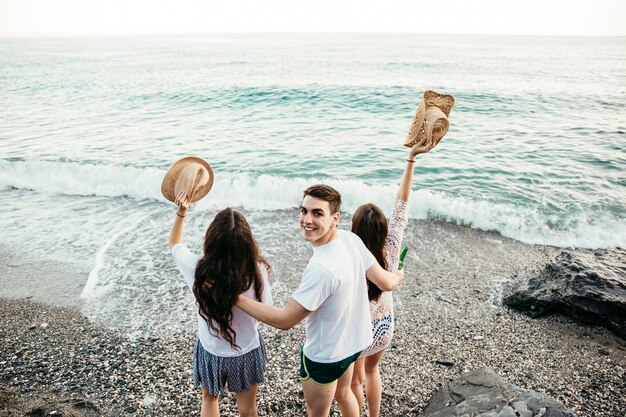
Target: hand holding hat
431, 120
420, 147
191, 177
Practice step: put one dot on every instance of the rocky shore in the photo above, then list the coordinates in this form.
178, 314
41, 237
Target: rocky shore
450, 321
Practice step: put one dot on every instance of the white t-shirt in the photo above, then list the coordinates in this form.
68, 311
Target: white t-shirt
245, 326
333, 288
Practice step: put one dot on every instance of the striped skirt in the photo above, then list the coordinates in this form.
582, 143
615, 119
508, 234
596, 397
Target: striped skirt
238, 372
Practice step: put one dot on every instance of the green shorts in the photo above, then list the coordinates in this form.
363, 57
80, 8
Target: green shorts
324, 373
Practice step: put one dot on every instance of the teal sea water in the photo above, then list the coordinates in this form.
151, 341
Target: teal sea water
88, 126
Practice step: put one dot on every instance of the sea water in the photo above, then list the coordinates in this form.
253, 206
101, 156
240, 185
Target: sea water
536, 149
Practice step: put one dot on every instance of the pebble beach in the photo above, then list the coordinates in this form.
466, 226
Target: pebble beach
56, 361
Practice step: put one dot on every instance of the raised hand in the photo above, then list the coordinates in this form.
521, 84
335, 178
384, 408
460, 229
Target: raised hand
176, 234
420, 147
182, 201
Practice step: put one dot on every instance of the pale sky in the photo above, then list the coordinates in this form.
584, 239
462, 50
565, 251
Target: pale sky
120, 17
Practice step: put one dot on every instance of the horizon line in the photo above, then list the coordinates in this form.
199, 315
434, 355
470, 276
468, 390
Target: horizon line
180, 34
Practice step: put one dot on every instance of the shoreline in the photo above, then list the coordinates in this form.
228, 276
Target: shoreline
447, 308
27, 276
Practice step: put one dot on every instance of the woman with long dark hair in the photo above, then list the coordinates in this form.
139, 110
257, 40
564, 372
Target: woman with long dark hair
230, 350
383, 240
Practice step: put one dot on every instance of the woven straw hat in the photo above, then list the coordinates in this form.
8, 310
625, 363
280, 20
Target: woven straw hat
191, 174
431, 119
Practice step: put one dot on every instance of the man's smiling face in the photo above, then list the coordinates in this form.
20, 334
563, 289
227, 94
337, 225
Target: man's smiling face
317, 223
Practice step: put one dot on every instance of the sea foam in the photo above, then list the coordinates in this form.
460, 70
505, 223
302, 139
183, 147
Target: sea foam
266, 192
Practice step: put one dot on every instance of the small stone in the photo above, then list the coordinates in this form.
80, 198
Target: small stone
148, 400
444, 362
604, 351
43, 326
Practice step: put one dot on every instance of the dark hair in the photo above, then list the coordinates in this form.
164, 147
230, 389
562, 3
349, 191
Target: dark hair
228, 268
326, 193
370, 224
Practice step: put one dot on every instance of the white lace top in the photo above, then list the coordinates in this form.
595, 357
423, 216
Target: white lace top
381, 310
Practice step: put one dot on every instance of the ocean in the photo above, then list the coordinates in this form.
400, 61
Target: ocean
536, 149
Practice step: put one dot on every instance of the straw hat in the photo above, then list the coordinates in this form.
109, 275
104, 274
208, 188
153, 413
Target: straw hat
191, 174
431, 119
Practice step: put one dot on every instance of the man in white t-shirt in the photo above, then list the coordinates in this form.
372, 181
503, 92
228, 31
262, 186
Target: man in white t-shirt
333, 297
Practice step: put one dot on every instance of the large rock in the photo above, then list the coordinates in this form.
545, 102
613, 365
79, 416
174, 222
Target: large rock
482, 393
589, 286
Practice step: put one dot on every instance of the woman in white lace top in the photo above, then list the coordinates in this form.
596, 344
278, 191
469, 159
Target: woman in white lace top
383, 240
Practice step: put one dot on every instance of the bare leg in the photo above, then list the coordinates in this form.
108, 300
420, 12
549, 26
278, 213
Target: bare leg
358, 378
210, 405
246, 402
373, 383
318, 398
348, 404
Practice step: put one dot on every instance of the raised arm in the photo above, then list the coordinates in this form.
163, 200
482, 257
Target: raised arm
176, 234
385, 280
281, 318
407, 177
